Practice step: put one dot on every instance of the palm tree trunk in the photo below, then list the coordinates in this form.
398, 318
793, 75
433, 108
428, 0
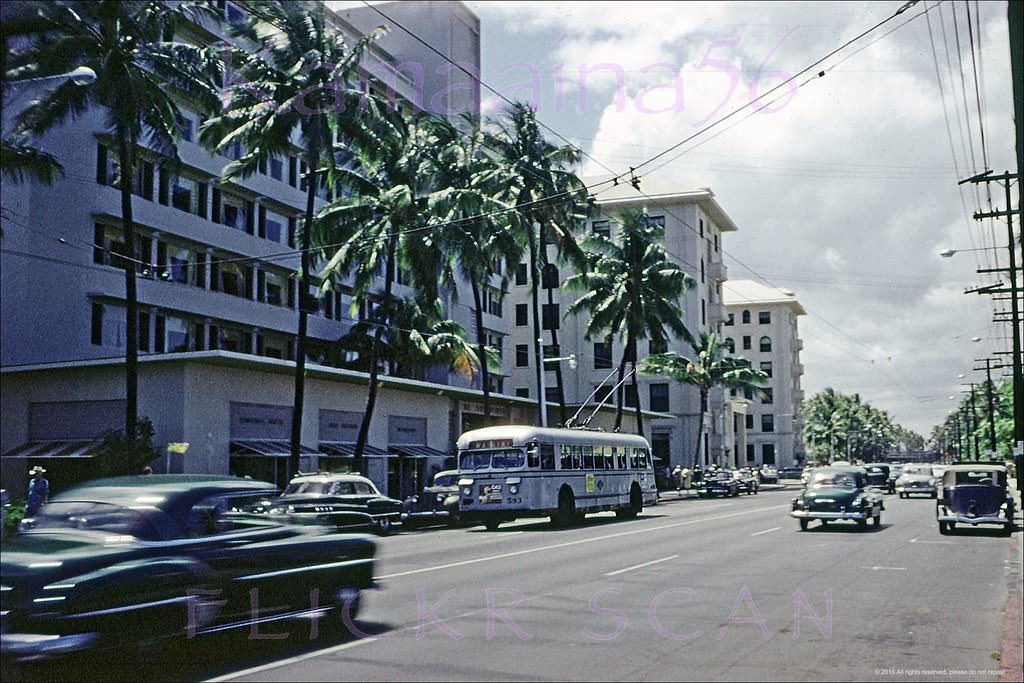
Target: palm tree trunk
619, 391
384, 321
131, 365
294, 458
700, 425
481, 351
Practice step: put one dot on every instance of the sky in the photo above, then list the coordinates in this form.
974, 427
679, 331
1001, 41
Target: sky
844, 187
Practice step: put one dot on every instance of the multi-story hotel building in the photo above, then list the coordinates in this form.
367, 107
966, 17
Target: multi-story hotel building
694, 225
762, 327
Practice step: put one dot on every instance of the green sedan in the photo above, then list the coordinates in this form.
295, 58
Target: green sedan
838, 493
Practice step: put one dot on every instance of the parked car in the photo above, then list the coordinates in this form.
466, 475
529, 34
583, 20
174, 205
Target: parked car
878, 476
137, 560
769, 475
790, 472
917, 479
720, 483
437, 504
838, 493
894, 473
344, 501
975, 494
748, 481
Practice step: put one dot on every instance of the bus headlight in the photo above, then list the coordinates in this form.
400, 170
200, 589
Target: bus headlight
513, 489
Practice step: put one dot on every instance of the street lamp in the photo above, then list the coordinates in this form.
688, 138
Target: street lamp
948, 253
81, 76
543, 389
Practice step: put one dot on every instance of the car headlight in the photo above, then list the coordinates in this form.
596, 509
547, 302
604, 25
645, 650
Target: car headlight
440, 497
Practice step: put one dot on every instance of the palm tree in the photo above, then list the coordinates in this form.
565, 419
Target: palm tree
140, 71
297, 81
632, 290
711, 367
377, 227
549, 203
476, 242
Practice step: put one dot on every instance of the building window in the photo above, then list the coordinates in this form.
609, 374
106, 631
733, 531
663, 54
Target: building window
550, 277
766, 344
749, 421
767, 454
97, 324
276, 168
185, 194
656, 221
275, 227
522, 355
700, 227
768, 423
746, 342
659, 397
523, 392
275, 288
521, 274
730, 320
745, 317
551, 394
522, 317
764, 317
233, 212
549, 316
767, 396
629, 397
492, 301
602, 227
750, 452
730, 344
766, 367
603, 355
703, 312
109, 326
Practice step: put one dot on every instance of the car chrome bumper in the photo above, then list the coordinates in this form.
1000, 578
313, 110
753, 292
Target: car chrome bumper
916, 489
810, 514
29, 646
973, 521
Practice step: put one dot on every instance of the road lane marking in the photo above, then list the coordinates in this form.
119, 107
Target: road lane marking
914, 540
641, 566
891, 569
568, 544
766, 531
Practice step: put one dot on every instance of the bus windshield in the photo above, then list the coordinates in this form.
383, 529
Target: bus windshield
499, 459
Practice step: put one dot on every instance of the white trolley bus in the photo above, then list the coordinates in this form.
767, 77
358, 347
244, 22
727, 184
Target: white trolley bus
513, 471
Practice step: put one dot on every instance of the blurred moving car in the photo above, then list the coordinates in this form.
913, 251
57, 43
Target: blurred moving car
838, 493
137, 560
895, 471
805, 476
878, 476
437, 504
975, 494
748, 481
917, 479
346, 502
720, 483
769, 475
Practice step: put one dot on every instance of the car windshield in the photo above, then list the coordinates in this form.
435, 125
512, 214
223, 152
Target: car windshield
306, 487
918, 470
149, 524
841, 479
500, 459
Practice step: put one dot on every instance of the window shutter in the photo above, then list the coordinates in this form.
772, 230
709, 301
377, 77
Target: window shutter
101, 163
215, 209
203, 193
250, 217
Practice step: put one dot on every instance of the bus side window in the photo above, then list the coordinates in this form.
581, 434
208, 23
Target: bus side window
532, 457
566, 457
609, 462
588, 457
547, 456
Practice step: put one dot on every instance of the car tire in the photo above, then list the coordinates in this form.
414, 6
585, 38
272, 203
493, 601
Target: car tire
803, 525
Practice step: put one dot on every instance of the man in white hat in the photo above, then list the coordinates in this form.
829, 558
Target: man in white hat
38, 491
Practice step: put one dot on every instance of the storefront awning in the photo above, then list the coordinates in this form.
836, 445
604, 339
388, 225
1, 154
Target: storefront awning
419, 452
347, 448
70, 448
268, 448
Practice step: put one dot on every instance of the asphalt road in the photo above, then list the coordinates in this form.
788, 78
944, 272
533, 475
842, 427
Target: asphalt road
720, 589
708, 590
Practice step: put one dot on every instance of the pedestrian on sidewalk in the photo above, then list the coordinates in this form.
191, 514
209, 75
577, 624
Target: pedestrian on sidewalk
677, 474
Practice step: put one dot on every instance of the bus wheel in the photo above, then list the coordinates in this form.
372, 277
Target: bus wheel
566, 507
492, 524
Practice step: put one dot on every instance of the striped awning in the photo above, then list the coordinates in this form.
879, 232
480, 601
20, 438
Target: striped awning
347, 448
419, 452
64, 448
267, 448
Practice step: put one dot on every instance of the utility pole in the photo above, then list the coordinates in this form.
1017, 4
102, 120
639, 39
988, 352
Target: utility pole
990, 401
1014, 288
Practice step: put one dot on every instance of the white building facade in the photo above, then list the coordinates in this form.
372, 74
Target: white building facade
762, 327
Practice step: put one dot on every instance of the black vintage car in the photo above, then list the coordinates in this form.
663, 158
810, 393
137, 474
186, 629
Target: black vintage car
437, 504
975, 494
748, 481
878, 476
137, 560
346, 502
838, 493
720, 483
